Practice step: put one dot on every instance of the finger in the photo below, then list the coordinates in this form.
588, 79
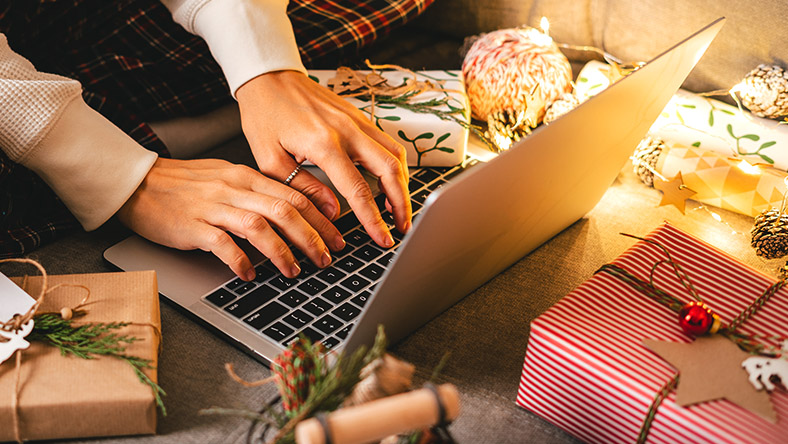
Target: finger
316, 219
260, 234
309, 186
279, 164
392, 175
287, 217
320, 194
215, 240
351, 184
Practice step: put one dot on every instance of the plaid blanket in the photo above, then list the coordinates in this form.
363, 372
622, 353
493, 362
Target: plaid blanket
136, 66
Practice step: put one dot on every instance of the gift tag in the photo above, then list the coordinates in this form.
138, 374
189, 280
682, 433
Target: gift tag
13, 300
14, 341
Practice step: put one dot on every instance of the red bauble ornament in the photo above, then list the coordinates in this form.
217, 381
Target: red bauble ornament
696, 319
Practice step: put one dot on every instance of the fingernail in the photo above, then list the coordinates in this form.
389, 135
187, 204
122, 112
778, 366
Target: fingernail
408, 226
325, 259
295, 270
251, 274
339, 243
388, 242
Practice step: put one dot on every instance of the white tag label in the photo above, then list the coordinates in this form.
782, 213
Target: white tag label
13, 300
14, 341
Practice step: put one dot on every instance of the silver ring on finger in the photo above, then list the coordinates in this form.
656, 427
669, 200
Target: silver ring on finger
292, 175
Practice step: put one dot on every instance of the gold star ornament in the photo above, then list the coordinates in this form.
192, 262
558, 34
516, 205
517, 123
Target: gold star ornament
674, 192
710, 368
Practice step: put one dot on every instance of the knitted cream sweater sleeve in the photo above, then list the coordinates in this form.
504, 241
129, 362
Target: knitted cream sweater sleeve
46, 126
246, 37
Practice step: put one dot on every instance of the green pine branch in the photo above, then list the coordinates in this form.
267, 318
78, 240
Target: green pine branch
91, 340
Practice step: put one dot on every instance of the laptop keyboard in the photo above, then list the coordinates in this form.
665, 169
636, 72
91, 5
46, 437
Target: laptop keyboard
322, 304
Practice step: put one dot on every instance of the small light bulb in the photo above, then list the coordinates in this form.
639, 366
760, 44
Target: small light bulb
545, 25
749, 168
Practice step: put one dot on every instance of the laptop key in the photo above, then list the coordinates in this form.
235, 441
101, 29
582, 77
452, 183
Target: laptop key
349, 263
317, 306
367, 253
346, 311
354, 283
312, 334
327, 324
293, 298
357, 238
421, 196
372, 272
264, 273
437, 184
346, 223
307, 269
361, 300
426, 175
386, 259
329, 343
331, 275
251, 301
220, 297
235, 283
278, 331
243, 289
344, 252
298, 319
336, 294
312, 287
414, 185
387, 217
266, 315
282, 282
342, 334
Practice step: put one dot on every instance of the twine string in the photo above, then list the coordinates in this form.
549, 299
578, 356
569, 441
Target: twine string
652, 409
16, 323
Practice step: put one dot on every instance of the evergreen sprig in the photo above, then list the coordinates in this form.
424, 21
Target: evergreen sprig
91, 340
325, 395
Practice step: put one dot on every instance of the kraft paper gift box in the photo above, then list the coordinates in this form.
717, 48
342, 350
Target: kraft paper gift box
429, 140
68, 397
588, 371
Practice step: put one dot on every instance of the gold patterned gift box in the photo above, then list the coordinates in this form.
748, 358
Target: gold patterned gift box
430, 141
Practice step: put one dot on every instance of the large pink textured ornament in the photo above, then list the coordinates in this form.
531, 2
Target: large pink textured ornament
503, 67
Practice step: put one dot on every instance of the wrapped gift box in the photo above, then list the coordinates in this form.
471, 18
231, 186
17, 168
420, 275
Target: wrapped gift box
694, 120
587, 371
429, 140
69, 397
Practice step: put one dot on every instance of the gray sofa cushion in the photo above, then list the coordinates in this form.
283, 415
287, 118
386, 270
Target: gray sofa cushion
638, 30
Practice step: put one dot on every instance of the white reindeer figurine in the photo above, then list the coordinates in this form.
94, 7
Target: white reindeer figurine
762, 370
16, 341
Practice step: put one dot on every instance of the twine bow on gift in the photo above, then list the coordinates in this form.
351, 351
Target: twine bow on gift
350, 83
747, 342
22, 324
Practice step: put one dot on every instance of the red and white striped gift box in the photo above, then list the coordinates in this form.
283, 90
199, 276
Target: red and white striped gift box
587, 371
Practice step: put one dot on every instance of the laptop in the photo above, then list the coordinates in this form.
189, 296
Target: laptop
471, 223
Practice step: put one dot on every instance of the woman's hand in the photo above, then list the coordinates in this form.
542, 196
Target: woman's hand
288, 118
190, 204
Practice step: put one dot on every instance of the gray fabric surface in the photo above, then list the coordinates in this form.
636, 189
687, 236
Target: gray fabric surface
487, 332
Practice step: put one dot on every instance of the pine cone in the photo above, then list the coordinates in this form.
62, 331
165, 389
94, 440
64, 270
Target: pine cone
506, 127
770, 234
645, 157
565, 103
764, 91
